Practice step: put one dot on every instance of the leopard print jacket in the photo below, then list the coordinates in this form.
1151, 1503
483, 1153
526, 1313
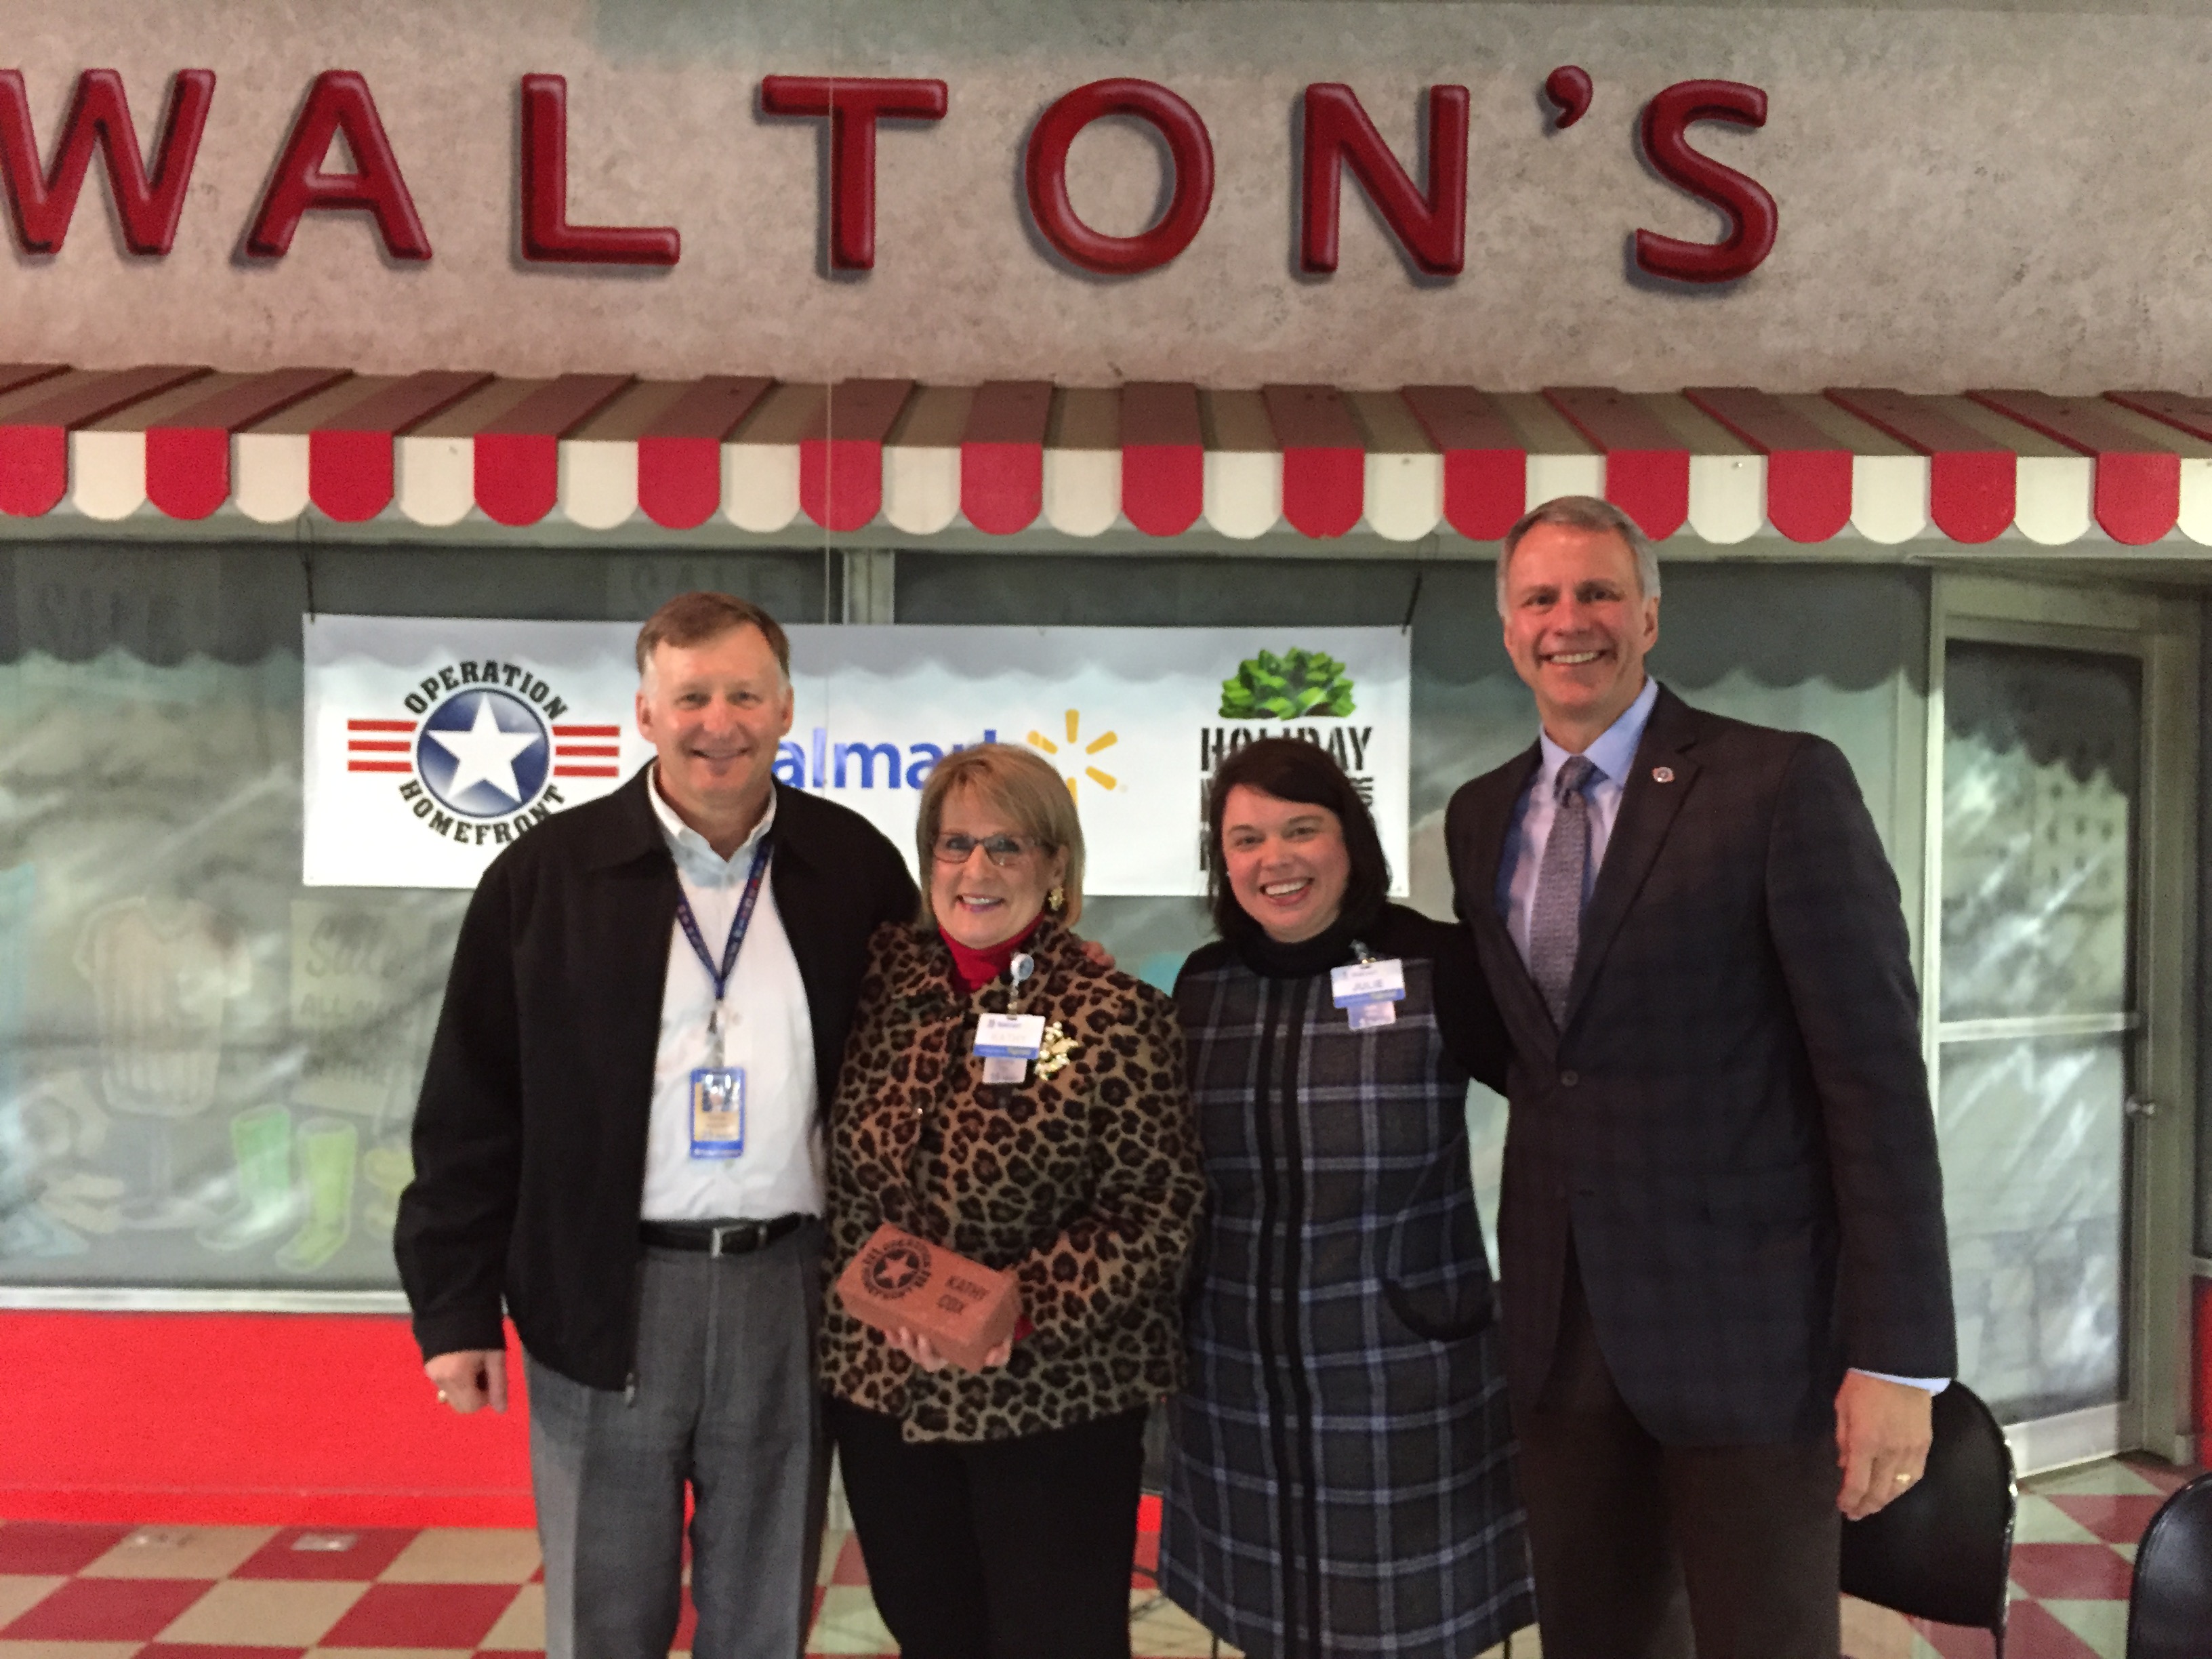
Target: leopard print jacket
1086, 1184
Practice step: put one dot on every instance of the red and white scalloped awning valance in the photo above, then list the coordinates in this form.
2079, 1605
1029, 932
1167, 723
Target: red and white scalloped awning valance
603, 450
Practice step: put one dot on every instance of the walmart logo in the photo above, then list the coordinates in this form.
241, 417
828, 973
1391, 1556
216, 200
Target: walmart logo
1074, 767
823, 764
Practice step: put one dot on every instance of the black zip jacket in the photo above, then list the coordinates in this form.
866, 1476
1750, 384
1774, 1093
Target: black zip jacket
530, 1136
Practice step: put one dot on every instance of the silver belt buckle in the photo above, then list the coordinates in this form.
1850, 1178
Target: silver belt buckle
736, 1228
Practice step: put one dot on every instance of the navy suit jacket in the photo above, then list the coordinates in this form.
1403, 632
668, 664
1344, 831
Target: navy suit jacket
1731, 1124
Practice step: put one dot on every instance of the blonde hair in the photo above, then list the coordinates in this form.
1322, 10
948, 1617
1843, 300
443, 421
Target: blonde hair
1021, 785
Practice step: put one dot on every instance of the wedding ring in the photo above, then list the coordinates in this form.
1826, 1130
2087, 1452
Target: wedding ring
1904, 1479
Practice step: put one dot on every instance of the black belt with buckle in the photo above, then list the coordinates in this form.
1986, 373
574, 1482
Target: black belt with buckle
717, 1238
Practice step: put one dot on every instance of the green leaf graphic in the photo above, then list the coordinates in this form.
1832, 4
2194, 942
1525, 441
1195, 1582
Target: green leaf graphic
1298, 682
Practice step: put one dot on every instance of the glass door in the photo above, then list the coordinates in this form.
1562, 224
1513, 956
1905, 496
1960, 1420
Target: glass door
2058, 948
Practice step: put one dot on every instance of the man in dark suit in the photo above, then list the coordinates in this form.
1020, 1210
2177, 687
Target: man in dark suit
619, 1139
1722, 1251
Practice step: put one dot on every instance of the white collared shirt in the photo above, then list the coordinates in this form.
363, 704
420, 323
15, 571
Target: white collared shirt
1611, 756
766, 1029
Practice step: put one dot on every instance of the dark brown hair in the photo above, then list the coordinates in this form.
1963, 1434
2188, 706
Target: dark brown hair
1291, 769
691, 619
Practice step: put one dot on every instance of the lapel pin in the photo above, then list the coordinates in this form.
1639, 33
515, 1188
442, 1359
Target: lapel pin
1663, 774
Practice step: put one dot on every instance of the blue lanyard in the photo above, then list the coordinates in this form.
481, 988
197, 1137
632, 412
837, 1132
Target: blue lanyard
738, 924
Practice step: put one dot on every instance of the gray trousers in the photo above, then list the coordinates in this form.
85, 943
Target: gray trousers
726, 1403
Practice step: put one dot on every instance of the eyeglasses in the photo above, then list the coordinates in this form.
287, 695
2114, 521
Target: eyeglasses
1001, 850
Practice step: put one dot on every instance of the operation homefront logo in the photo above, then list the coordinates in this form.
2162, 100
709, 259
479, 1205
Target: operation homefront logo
896, 1267
481, 751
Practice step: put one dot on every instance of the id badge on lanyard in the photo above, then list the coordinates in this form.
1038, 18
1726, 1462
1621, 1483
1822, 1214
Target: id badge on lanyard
718, 1091
718, 1111
1006, 1043
1368, 990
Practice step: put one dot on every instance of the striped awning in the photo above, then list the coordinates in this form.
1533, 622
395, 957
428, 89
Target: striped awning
601, 450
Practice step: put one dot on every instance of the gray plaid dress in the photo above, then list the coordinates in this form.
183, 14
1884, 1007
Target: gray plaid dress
1341, 1471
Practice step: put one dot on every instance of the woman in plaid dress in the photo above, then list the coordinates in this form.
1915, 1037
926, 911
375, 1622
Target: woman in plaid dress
1341, 1473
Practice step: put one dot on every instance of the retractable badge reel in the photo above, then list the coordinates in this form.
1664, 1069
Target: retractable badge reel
1007, 1043
1369, 990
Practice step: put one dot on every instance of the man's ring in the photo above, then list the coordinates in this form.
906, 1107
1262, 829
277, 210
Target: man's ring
1902, 1480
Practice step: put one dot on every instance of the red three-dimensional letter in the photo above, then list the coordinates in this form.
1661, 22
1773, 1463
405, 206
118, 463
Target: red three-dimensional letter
1751, 212
44, 202
337, 102
1431, 229
854, 107
547, 235
1045, 173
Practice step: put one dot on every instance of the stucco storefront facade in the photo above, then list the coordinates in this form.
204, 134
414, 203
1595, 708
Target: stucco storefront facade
1967, 201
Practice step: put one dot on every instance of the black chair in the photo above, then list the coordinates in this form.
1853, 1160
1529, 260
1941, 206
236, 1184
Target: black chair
2170, 1606
1944, 1550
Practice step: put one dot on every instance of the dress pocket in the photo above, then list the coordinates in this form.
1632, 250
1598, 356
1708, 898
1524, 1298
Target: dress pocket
1419, 1312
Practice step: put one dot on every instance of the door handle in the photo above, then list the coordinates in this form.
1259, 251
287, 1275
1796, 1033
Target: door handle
2135, 1108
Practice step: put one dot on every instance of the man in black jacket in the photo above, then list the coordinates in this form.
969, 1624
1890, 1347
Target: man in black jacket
619, 1139
1726, 1290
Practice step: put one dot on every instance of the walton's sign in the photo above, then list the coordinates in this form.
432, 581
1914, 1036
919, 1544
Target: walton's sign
1428, 219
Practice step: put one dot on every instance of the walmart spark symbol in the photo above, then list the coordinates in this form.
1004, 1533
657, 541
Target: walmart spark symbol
1103, 780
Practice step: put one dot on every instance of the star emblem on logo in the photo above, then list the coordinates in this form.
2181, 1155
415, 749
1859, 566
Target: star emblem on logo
484, 752
896, 1268
898, 1271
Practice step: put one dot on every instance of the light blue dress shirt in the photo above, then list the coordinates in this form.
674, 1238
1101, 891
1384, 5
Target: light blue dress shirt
1610, 756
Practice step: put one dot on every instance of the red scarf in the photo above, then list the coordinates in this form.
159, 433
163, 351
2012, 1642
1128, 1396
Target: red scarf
976, 968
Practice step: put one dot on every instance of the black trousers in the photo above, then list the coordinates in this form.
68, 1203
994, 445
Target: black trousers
1649, 1552
997, 1549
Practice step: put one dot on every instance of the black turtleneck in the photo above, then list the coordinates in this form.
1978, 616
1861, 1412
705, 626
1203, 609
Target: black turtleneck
1466, 1014
1273, 958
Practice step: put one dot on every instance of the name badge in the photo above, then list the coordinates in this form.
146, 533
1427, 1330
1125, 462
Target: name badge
1367, 990
718, 1111
1010, 1036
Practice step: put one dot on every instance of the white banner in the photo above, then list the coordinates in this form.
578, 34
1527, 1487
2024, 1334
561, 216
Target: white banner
432, 743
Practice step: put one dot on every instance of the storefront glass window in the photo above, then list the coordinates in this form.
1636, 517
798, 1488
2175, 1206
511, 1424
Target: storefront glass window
206, 1071
2040, 794
2032, 1140
2038, 799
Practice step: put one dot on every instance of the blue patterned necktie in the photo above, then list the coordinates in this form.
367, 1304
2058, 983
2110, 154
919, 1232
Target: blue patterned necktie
1555, 923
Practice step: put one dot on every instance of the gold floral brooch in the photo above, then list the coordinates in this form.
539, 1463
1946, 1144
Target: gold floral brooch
1055, 1049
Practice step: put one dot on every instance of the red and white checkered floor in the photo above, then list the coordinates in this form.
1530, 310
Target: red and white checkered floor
185, 1592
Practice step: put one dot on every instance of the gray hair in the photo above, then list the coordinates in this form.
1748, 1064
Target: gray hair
1583, 512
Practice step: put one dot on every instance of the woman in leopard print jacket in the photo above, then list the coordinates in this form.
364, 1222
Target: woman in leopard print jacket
996, 1508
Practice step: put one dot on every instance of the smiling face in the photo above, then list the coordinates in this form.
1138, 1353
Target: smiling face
977, 902
1286, 862
713, 712
1578, 626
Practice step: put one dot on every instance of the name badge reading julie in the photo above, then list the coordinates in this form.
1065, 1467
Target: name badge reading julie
1367, 990
1006, 1043
718, 1111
